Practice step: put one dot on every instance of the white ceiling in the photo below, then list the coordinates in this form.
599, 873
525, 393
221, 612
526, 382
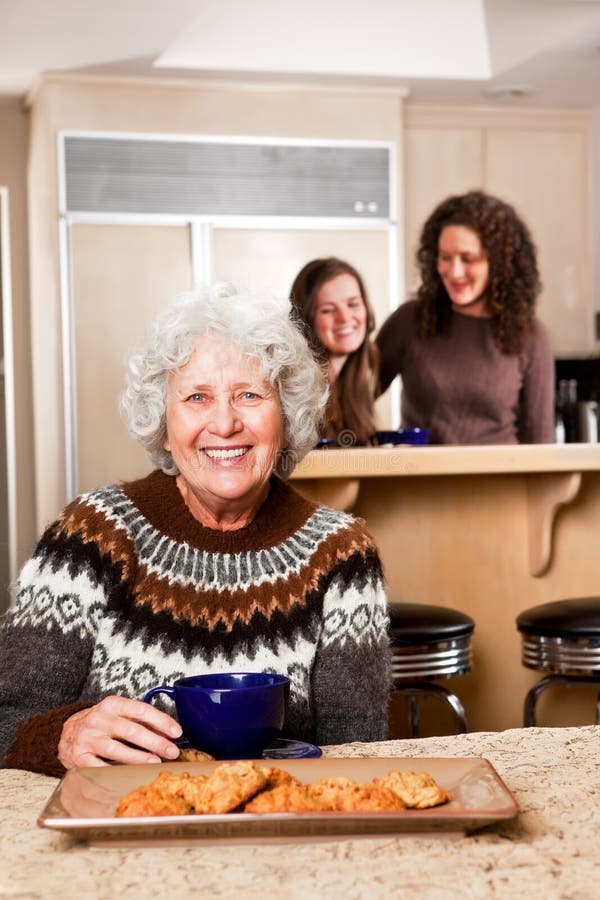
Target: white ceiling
526, 52
378, 38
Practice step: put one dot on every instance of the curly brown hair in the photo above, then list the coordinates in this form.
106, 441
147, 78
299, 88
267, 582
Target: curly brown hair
514, 281
351, 403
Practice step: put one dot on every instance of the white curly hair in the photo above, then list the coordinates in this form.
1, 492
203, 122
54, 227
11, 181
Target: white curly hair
263, 328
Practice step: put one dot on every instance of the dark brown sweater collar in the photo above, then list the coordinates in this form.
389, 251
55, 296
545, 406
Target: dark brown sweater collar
158, 499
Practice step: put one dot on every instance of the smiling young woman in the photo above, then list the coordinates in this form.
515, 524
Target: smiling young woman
331, 299
475, 362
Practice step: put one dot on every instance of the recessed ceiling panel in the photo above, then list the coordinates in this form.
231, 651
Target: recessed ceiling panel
398, 38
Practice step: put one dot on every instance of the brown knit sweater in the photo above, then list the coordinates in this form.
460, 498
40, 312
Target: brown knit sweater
126, 590
462, 387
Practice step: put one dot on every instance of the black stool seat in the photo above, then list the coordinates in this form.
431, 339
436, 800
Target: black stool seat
420, 622
562, 639
578, 618
429, 642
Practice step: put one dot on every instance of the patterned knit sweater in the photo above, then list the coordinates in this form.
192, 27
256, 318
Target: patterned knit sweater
126, 590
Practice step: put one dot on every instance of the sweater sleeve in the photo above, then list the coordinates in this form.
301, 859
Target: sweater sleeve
352, 671
389, 354
36, 742
46, 644
396, 335
536, 402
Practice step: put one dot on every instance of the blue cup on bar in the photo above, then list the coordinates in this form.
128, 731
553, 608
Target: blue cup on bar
231, 715
415, 437
325, 443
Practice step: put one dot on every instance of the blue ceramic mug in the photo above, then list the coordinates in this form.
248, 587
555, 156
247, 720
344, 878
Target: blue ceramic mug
417, 437
231, 715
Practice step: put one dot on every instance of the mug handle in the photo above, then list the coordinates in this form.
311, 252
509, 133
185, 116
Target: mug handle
163, 689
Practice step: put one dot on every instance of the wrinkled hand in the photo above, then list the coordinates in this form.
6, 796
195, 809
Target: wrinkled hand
96, 736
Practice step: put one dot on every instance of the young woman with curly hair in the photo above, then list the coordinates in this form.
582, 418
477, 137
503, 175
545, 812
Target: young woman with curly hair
475, 362
331, 299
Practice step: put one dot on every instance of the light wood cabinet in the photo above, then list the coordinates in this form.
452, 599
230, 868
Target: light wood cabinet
437, 162
121, 275
534, 159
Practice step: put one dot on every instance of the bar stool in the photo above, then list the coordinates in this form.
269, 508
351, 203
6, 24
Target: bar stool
429, 642
563, 639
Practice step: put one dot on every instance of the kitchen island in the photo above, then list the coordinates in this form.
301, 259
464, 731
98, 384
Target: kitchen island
549, 850
487, 530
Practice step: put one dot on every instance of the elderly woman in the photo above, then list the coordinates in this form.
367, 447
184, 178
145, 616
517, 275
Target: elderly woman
475, 361
211, 563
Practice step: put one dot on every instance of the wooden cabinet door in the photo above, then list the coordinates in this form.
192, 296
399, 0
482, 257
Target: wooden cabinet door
121, 275
543, 172
269, 259
438, 162
534, 159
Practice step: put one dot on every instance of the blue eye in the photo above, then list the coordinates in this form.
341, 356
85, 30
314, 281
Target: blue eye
247, 397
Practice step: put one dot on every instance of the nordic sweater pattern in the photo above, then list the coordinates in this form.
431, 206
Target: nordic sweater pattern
126, 590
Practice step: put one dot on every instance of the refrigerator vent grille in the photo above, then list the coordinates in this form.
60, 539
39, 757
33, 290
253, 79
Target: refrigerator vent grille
155, 175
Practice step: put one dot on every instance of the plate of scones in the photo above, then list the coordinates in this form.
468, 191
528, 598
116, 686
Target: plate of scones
209, 800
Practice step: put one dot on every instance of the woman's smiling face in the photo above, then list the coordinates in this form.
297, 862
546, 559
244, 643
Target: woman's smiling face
340, 321
224, 432
464, 269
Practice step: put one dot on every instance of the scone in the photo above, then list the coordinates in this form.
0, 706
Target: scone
417, 790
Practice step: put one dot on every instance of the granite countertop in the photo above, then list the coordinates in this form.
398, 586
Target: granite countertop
550, 850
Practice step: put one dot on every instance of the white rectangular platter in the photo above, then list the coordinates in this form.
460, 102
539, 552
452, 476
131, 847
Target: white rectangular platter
84, 803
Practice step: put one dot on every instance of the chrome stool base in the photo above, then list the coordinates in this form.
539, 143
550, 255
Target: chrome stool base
534, 694
429, 642
413, 689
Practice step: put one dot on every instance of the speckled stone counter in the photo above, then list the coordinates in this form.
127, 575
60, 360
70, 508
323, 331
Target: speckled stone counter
551, 850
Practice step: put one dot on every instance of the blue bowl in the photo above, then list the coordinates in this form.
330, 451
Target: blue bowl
416, 437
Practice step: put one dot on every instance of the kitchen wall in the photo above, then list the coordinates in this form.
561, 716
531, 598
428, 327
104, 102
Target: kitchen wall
594, 175
13, 175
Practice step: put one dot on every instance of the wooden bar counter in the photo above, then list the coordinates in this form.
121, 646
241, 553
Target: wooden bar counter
487, 530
